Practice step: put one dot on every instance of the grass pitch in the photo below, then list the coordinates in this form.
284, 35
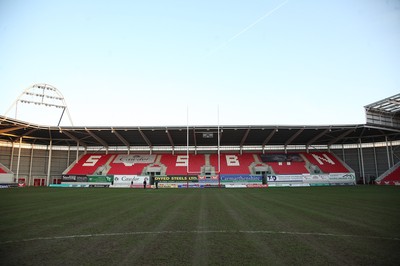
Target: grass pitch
276, 226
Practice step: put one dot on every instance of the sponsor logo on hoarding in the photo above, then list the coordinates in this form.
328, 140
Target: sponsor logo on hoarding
315, 177
240, 178
196, 185
208, 181
73, 178
164, 185
127, 180
349, 176
81, 179
176, 178
344, 176
98, 179
233, 185
204, 177
257, 185
100, 185
277, 178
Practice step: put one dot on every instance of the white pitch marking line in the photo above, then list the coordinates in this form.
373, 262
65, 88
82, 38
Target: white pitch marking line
197, 232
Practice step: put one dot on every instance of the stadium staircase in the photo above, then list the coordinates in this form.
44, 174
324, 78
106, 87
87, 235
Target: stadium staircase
208, 169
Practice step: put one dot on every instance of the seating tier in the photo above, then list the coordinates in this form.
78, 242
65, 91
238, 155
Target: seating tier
181, 164
129, 164
233, 163
88, 164
230, 163
393, 176
326, 161
289, 168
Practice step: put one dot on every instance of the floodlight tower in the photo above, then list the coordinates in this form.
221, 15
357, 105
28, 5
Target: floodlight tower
42, 95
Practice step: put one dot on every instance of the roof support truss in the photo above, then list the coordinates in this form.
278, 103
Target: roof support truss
244, 138
341, 136
145, 138
314, 139
80, 142
170, 138
122, 139
295, 135
97, 138
195, 140
6, 130
269, 137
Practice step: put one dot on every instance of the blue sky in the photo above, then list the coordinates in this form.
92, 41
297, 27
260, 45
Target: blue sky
142, 63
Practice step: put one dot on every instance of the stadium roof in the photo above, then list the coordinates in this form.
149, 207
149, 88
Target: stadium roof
390, 105
12, 130
385, 112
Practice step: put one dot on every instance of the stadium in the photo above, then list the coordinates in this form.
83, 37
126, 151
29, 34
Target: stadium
267, 194
222, 156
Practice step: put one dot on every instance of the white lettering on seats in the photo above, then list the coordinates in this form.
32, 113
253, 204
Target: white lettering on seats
320, 159
92, 160
182, 160
232, 160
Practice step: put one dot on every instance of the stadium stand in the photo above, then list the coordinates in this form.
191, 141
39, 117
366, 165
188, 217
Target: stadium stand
234, 163
117, 167
286, 163
110, 164
288, 168
120, 169
326, 161
390, 177
88, 164
177, 164
275, 145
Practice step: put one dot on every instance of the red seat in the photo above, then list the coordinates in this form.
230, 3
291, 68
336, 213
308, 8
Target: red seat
392, 177
233, 163
88, 164
181, 165
120, 168
289, 168
326, 161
